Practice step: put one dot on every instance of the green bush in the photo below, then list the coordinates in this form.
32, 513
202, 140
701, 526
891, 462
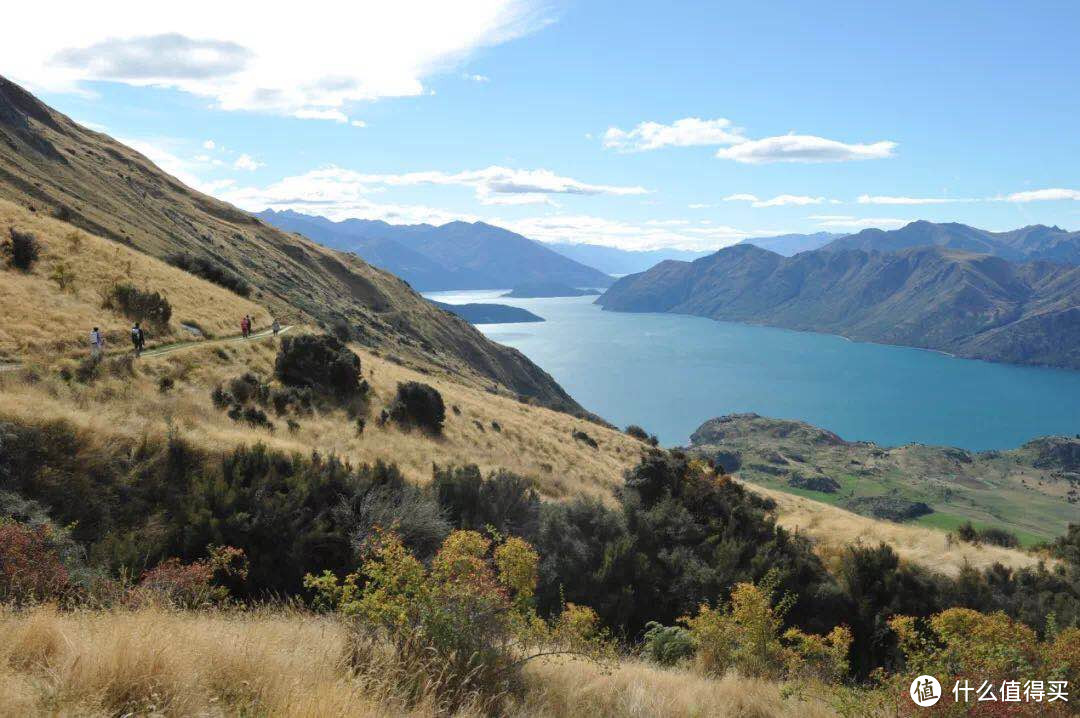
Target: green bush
418, 404
211, 271
320, 363
22, 250
667, 645
138, 305
503, 500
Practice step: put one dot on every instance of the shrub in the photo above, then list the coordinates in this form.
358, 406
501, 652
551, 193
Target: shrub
504, 500
667, 645
63, 276
285, 398
211, 271
248, 387
166, 384
22, 249
991, 535
191, 585
139, 305
641, 435
585, 439
418, 404
320, 363
31, 568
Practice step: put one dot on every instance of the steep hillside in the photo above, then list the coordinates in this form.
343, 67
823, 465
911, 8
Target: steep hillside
457, 255
1033, 491
971, 305
1035, 242
53, 166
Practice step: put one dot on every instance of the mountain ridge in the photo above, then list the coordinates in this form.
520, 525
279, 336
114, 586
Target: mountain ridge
971, 305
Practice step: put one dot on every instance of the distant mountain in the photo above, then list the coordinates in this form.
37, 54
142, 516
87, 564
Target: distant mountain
790, 244
490, 313
621, 261
1052, 244
537, 290
971, 305
458, 255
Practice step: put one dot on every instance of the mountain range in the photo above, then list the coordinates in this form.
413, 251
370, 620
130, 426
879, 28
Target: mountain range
456, 255
972, 305
790, 244
52, 165
1036, 242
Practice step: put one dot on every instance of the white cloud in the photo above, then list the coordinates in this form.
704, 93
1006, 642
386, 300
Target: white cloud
358, 123
687, 132
803, 148
275, 60
209, 145
781, 200
700, 205
167, 160
477, 78
331, 115
843, 221
1044, 195
882, 199
584, 229
247, 162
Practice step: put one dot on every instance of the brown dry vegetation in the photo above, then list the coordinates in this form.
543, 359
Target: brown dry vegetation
37, 317
279, 663
532, 440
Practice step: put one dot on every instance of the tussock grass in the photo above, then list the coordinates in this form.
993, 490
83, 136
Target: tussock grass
37, 317
832, 528
281, 663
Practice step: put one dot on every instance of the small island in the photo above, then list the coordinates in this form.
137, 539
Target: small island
539, 290
490, 313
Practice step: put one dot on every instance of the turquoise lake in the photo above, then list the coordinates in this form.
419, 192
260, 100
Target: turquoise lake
669, 373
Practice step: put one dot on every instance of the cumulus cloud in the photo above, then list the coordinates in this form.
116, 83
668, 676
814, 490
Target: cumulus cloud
1044, 195
209, 145
843, 221
275, 60
780, 200
882, 199
247, 162
358, 123
687, 132
804, 148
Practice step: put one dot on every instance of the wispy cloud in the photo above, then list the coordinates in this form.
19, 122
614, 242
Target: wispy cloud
1044, 195
780, 200
302, 67
805, 149
687, 132
247, 162
890, 200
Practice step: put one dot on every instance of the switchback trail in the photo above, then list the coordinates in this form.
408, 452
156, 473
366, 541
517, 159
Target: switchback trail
180, 346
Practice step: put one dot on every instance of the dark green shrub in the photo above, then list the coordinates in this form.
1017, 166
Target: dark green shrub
667, 645
139, 305
419, 405
641, 435
22, 249
321, 363
211, 271
249, 387
505, 500
585, 439
285, 398
166, 384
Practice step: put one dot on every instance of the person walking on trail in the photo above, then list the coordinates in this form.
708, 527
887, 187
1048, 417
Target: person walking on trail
245, 326
97, 343
138, 339
276, 327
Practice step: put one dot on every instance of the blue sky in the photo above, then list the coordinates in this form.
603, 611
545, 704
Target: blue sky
633, 124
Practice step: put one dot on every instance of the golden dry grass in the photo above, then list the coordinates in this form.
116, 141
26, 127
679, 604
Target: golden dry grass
532, 440
275, 663
37, 317
832, 528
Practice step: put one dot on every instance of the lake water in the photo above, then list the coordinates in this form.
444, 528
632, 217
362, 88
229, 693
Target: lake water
669, 373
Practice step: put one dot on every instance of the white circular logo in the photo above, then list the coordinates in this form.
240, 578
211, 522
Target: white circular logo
925, 691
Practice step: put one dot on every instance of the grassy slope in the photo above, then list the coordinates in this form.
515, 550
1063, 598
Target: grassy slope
281, 664
1005, 489
58, 167
36, 317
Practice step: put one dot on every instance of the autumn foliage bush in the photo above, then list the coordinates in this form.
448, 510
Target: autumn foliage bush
31, 568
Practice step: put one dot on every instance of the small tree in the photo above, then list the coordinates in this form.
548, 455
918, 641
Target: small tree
419, 405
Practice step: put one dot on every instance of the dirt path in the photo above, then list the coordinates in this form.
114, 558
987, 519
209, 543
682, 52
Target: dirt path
180, 346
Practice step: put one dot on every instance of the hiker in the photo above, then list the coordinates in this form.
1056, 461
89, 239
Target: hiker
245, 326
97, 343
276, 326
138, 339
